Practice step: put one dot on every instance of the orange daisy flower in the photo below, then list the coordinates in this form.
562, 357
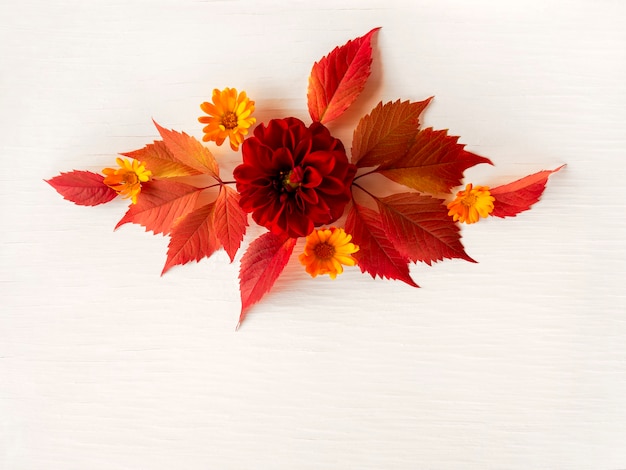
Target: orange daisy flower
471, 204
228, 116
127, 179
327, 250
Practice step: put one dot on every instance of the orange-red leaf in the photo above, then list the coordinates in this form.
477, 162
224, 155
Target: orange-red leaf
376, 254
230, 221
518, 196
261, 265
338, 78
434, 163
161, 162
160, 204
189, 151
193, 238
84, 188
387, 132
420, 229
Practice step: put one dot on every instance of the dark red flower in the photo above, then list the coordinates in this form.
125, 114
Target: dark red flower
293, 177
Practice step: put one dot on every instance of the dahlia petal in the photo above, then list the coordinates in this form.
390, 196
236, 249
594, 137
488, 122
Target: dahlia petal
312, 177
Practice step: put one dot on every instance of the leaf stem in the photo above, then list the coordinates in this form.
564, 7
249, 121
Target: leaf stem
365, 174
220, 183
365, 191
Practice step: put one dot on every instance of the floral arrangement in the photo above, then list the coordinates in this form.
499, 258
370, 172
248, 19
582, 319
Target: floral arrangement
298, 181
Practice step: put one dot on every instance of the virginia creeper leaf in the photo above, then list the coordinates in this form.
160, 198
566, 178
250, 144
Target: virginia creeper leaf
434, 163
420, 229
161, 162
261, 265
193, 238
376, 254
189, 151
387, 132
230, 220
84, 188
338, 78
518, 196
160, 204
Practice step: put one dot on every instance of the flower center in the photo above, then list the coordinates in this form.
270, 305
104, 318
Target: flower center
131, 178
293, 179
469, 200
324, 251
229, 120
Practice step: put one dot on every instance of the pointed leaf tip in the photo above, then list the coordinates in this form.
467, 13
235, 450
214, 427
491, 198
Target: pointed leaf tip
518, 196
193, 238
339, 78
83, 188
434, 163
377, 254
261, 265
386, 132
230, 221
420, 228
189, 151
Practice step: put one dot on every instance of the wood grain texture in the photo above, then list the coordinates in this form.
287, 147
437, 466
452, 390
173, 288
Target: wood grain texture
516, 362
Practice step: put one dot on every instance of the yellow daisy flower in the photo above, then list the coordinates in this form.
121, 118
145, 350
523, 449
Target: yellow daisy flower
471, 204
228, 116
127, 179
327, 250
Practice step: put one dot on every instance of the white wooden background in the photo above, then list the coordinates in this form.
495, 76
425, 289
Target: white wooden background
517, 362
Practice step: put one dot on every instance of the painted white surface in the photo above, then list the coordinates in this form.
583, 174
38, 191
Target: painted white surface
517, 362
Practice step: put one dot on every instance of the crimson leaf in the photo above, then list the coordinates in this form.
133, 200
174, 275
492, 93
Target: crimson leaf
420, 228
376, 254
84, 188
338, 78
261, 265
518, 196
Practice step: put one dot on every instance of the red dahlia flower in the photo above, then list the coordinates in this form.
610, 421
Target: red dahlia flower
293, 177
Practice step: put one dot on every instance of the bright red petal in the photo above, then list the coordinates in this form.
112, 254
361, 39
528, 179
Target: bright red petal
160, 204
82, 187
376, 254
518, 196
261, 265
338, 78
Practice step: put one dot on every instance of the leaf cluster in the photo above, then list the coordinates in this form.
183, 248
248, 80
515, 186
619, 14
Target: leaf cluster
392, 232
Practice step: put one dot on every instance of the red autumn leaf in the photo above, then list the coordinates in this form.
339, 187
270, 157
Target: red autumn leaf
193, 238
518, 196
161, 162
261, 265
387, 132
420, 229
434, 163
84, 188
338, 78
189, 151
160, 204
230, 220
376, 254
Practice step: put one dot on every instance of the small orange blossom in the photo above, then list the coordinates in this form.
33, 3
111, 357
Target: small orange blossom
326, 250
228, 116
127, 179
471, 204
